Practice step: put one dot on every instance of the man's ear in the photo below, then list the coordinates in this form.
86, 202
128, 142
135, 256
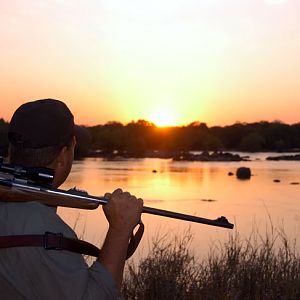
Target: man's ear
59, 160
62, 156
61, 167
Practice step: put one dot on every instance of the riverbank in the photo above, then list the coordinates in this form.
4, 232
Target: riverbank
209, 156
174, 155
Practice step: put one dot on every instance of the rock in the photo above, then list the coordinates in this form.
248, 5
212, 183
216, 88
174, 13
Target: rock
243, 173
294, 183
276, 180
230, 174
284, 157
208, 200
206, 156
154, 171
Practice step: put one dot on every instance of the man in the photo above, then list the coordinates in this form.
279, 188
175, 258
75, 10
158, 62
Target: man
41, 134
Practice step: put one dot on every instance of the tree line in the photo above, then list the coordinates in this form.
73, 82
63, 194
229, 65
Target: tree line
138, 138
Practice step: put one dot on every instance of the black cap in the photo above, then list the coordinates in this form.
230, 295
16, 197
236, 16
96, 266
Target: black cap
41, 123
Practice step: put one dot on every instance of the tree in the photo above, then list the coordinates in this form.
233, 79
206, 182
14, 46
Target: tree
253, 142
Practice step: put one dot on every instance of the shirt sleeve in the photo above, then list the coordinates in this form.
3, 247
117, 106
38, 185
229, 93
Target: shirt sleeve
101, 277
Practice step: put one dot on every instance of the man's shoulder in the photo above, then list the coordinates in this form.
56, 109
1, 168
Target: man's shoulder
26, 210
31, 218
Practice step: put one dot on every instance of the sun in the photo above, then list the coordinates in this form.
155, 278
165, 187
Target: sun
163, 118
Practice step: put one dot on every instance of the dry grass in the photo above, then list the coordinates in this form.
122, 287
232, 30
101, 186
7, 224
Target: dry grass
259, 267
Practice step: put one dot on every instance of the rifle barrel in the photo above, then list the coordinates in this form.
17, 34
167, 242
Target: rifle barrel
220, 222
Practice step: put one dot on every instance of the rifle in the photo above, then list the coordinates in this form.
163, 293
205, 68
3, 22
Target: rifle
24, 184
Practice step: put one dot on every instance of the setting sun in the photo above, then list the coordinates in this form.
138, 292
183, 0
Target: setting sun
163, 118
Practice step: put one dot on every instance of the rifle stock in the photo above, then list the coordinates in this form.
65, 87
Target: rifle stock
45, 196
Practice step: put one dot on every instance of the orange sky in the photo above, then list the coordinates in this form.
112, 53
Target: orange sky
214, 61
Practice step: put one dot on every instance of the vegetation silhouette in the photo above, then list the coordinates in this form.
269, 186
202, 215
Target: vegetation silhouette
261, 266
143, 139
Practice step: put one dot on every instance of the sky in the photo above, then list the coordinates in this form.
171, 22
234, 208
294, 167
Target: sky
170, 62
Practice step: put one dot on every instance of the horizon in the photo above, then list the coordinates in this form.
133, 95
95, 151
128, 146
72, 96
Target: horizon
177, 125
167, 62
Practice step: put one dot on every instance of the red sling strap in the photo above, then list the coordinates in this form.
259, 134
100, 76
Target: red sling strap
56, 241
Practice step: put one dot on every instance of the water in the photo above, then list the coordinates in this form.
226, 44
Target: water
197, 188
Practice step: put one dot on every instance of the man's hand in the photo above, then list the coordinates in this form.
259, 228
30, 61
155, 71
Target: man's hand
123, 211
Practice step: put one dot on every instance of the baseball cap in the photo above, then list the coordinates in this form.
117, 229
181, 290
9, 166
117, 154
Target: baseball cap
41, 123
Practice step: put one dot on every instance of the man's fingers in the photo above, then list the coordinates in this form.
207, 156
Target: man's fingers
123, 210
119, 194
117, 191
107, 195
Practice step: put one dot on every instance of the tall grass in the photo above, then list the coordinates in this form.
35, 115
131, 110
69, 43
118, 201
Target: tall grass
258, 267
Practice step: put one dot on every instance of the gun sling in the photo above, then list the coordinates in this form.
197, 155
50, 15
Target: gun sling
56, 241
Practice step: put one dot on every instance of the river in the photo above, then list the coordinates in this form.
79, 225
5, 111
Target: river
197, 188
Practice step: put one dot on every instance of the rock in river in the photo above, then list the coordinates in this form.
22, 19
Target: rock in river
243, 173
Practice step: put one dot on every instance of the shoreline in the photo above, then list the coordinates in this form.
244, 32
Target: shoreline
202, 156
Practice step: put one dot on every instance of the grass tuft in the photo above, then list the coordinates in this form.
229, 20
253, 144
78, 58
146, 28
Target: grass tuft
259, 267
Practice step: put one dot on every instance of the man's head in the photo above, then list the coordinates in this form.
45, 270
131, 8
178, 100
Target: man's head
41, 134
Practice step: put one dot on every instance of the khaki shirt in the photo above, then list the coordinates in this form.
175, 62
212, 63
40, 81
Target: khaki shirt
36, 273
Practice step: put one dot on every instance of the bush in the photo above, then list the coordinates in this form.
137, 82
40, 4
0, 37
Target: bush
260, 267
